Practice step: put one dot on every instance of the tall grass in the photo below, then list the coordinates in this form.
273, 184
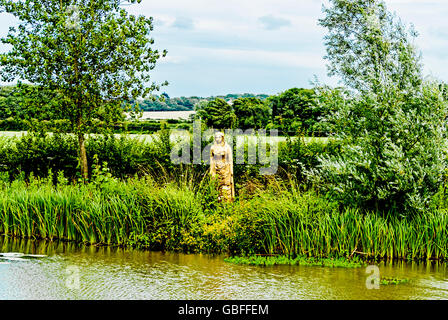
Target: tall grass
110, 213
166, 216
306, 224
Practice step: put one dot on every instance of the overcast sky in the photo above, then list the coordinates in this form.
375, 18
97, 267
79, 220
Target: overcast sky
261, 46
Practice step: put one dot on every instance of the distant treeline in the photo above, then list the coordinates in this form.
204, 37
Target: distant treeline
295, 111
14, 101
291, 112
165, 103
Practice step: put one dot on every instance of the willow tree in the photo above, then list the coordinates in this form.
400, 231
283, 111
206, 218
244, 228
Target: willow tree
93, 54
391, 120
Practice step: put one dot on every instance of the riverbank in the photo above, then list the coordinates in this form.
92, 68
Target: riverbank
125, 273
278, 220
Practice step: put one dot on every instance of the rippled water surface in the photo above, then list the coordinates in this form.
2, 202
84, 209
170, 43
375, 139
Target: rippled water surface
39, 270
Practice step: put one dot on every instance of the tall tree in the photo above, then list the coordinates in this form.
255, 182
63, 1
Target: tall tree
251, 113
93, 53
391, 121
370, 48
295, 109
217, 114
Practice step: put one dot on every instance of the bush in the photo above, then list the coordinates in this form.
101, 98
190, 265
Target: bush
297, 158
165, 216
390, 118
393, 157
126, 156
39, 154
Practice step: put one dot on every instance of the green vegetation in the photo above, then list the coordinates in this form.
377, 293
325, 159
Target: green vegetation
376, 189
291, 112
19, 103
390, 121
165, 103
92, 56
128, 156
390, 280
217, 114
251, 113
296, 110
185, 216
301, 260
15, 100
100, 127
137, 197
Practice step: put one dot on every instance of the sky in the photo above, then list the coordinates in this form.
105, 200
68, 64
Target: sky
261, 46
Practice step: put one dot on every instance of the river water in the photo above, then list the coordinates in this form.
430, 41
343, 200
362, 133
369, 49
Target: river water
56, 270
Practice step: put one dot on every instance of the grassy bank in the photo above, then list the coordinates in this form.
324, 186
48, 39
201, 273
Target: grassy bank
279, 220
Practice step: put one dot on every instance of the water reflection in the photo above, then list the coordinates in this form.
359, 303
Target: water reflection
41, 270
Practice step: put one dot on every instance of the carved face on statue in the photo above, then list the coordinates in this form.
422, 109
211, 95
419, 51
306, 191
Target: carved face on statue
219, 138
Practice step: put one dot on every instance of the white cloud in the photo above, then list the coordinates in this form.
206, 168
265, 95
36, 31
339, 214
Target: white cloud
228, 32
225, 38
258, 57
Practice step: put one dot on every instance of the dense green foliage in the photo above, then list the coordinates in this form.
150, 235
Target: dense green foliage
376, 189
174, 207
141, 127
38, 154
128, 156
392, 125
251, 113
295, 111
16, 102
167, 216
23, 107
243, 113
292, 112
165, 103
217, 114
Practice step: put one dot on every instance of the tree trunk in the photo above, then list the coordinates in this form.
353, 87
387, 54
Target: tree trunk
83, 157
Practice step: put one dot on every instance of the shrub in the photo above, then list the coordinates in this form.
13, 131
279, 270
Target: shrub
393, 156
392, 123
126, 157
165, 216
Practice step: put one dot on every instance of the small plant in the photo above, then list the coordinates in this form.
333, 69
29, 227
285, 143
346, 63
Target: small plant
101, 173
208, 191
139, 241
391, 280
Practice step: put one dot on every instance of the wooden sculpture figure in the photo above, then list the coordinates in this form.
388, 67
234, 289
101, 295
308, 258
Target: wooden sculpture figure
221, 168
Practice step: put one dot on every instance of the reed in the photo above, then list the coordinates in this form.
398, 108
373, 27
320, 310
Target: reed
281, 220
92, 214
307, 224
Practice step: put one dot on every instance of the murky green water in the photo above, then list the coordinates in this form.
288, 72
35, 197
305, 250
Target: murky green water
109, 273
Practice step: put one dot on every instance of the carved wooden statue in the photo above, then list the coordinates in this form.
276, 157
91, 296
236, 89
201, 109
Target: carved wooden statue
221, 168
